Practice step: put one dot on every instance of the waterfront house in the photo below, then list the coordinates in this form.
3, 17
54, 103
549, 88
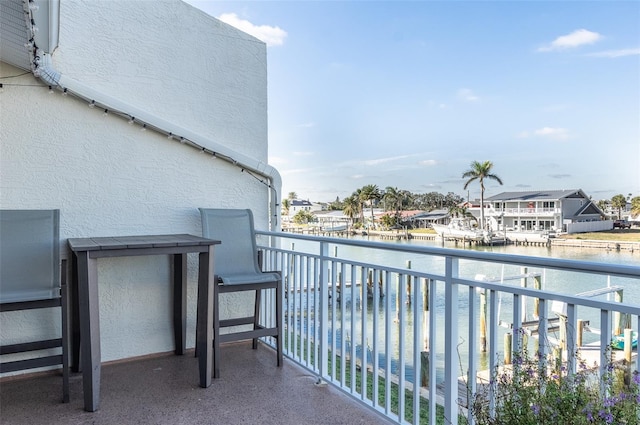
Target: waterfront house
543, 211
128, 116
297, 205
416, 219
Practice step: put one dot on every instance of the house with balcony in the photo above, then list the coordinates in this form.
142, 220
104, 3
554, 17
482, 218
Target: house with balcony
542, 211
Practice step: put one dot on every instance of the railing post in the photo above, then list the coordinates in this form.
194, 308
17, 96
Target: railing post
409, 283
451, 342
605, 341
424, 355
323, 281
523, 284
483, 321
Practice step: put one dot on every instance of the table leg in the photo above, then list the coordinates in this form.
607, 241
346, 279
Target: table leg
205, 316
89, 329
180, 302
75, 315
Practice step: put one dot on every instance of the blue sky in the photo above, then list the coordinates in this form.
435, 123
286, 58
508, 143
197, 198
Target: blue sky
407, 94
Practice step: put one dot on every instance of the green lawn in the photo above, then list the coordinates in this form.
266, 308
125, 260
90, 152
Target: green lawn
615, 235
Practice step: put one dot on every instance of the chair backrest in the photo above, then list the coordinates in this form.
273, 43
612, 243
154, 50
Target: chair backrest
234, 228
29, 255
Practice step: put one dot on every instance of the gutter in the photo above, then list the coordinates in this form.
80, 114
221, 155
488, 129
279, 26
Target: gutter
42, 68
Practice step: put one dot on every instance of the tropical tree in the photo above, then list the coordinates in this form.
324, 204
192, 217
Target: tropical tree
357, 196
370, 193
292, 195
285, 206
603, 204
389, 221
635, 206
459, 211
351, 208
392, 198
407, 200
303, 217
480, 171
619, 202
336, 205
452, 199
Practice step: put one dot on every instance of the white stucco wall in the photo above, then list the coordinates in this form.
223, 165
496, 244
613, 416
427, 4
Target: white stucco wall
110, 178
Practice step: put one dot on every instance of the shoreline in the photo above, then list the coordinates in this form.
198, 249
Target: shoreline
524, 239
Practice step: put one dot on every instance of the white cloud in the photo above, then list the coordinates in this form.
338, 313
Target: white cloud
467, 95
577, 38
383, 160
523, 135
428, 162
616, 53
553, 133
273, 36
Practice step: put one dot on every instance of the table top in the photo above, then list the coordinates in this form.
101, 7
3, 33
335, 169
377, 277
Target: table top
138, 242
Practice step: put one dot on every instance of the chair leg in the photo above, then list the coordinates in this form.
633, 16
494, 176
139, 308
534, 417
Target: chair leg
279, 340
256, 317
216, 331
66, 346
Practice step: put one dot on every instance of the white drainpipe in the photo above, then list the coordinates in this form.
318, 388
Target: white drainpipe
43, 69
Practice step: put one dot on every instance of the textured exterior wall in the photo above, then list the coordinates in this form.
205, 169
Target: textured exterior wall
110, 178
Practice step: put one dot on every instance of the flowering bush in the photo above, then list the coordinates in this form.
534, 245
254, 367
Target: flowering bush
534, 392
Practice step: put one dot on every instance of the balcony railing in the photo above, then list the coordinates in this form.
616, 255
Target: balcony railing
388, 322
523, 211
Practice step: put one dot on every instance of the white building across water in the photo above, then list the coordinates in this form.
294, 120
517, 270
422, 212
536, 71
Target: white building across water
543, 210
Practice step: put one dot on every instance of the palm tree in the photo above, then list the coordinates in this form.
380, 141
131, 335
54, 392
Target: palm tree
603, 204
392, 198
285, 206
292, 195
358, 198
480, 171
619, 202
370, 193
351, 207
635, 206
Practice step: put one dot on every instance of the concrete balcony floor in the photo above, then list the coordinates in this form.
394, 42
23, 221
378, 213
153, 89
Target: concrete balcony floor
164, 390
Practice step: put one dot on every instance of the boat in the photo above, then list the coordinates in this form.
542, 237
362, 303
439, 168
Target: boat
463, 229
617, 342
458, 228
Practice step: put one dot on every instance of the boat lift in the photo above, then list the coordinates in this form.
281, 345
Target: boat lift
555, 324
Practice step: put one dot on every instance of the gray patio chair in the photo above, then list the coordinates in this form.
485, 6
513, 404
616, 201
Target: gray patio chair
30, 278
237, 268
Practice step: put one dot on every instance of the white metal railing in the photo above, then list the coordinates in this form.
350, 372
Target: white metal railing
528, 211
355, 306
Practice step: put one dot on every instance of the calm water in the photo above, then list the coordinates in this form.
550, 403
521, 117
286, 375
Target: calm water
569, 283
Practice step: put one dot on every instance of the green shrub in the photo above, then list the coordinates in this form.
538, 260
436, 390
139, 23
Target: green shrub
533, 392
